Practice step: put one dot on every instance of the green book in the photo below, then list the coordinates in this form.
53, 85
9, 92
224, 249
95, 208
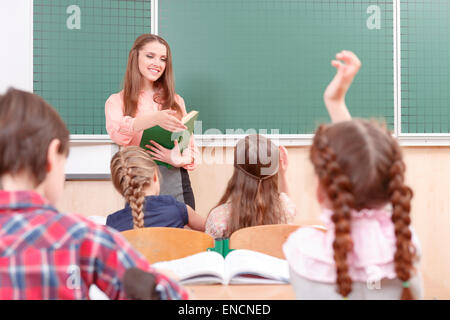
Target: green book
166, 138
221, 246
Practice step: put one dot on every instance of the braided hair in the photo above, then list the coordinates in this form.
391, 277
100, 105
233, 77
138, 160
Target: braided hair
401, 195
132, 170
359, 165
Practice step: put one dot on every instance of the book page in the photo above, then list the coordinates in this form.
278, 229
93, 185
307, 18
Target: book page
189, 116
247, 266
185, 136
201, 268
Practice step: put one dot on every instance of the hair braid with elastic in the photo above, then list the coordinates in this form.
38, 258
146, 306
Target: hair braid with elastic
135, 196
339, 190
360, 165
401, 195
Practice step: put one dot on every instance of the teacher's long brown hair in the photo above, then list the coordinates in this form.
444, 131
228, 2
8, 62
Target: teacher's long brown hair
164, 86
360, 165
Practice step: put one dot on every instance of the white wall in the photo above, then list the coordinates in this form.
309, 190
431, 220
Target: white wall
16, 45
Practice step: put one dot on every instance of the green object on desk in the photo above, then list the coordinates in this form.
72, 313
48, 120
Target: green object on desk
221, 246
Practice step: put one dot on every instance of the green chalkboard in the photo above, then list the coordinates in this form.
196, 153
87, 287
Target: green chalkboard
425, 66
80, 51
259, 64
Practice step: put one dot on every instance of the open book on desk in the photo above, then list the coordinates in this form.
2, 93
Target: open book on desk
238, 267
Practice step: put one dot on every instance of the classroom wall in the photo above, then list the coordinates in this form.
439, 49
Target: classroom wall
16, 62
428, 171
428, 174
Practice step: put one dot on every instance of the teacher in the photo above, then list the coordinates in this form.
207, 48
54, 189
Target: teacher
148, 99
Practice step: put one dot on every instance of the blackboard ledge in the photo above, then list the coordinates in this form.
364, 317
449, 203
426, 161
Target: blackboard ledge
222, 140
87, 176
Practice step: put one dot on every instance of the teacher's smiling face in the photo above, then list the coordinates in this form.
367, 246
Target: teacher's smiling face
152, 60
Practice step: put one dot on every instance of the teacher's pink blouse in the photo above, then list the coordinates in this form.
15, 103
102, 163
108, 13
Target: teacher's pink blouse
120, 127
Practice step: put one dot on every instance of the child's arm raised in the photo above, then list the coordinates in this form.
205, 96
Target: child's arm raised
282, 171
347, 65
195, 221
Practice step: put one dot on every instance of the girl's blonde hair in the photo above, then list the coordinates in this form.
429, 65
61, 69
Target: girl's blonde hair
132, 170
360, 165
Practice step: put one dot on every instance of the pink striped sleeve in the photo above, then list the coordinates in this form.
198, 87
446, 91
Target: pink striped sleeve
118, 126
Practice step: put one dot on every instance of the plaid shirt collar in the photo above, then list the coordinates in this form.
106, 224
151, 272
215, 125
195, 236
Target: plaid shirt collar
21, 201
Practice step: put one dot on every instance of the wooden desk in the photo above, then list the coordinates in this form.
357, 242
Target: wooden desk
241, 292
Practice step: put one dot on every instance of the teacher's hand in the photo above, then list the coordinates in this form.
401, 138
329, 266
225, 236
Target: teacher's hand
172, 157
166, 119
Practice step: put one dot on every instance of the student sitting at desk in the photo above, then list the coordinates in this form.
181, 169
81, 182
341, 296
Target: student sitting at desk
45, 254
369, 250
258, 191
136, 177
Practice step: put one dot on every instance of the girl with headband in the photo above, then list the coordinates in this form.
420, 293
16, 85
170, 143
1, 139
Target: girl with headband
257, 193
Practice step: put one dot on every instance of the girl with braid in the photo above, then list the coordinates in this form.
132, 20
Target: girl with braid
136, 177
369, 250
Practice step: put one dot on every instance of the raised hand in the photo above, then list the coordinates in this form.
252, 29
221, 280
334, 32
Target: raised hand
283, 160
282, 171
347, 66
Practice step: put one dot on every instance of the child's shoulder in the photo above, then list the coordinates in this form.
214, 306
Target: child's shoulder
116, 218
164, 203
161, 200
82, 228
220, 213
216, 224
308, 241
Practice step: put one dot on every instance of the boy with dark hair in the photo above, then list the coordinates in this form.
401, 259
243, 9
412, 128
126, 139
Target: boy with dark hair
45, 254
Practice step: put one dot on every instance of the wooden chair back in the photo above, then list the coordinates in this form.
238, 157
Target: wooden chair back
163, 243
268, 239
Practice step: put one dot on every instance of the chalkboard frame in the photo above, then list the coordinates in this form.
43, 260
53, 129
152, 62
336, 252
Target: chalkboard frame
407, 139
83, 170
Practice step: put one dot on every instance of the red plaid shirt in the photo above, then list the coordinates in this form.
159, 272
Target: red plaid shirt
45, 254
